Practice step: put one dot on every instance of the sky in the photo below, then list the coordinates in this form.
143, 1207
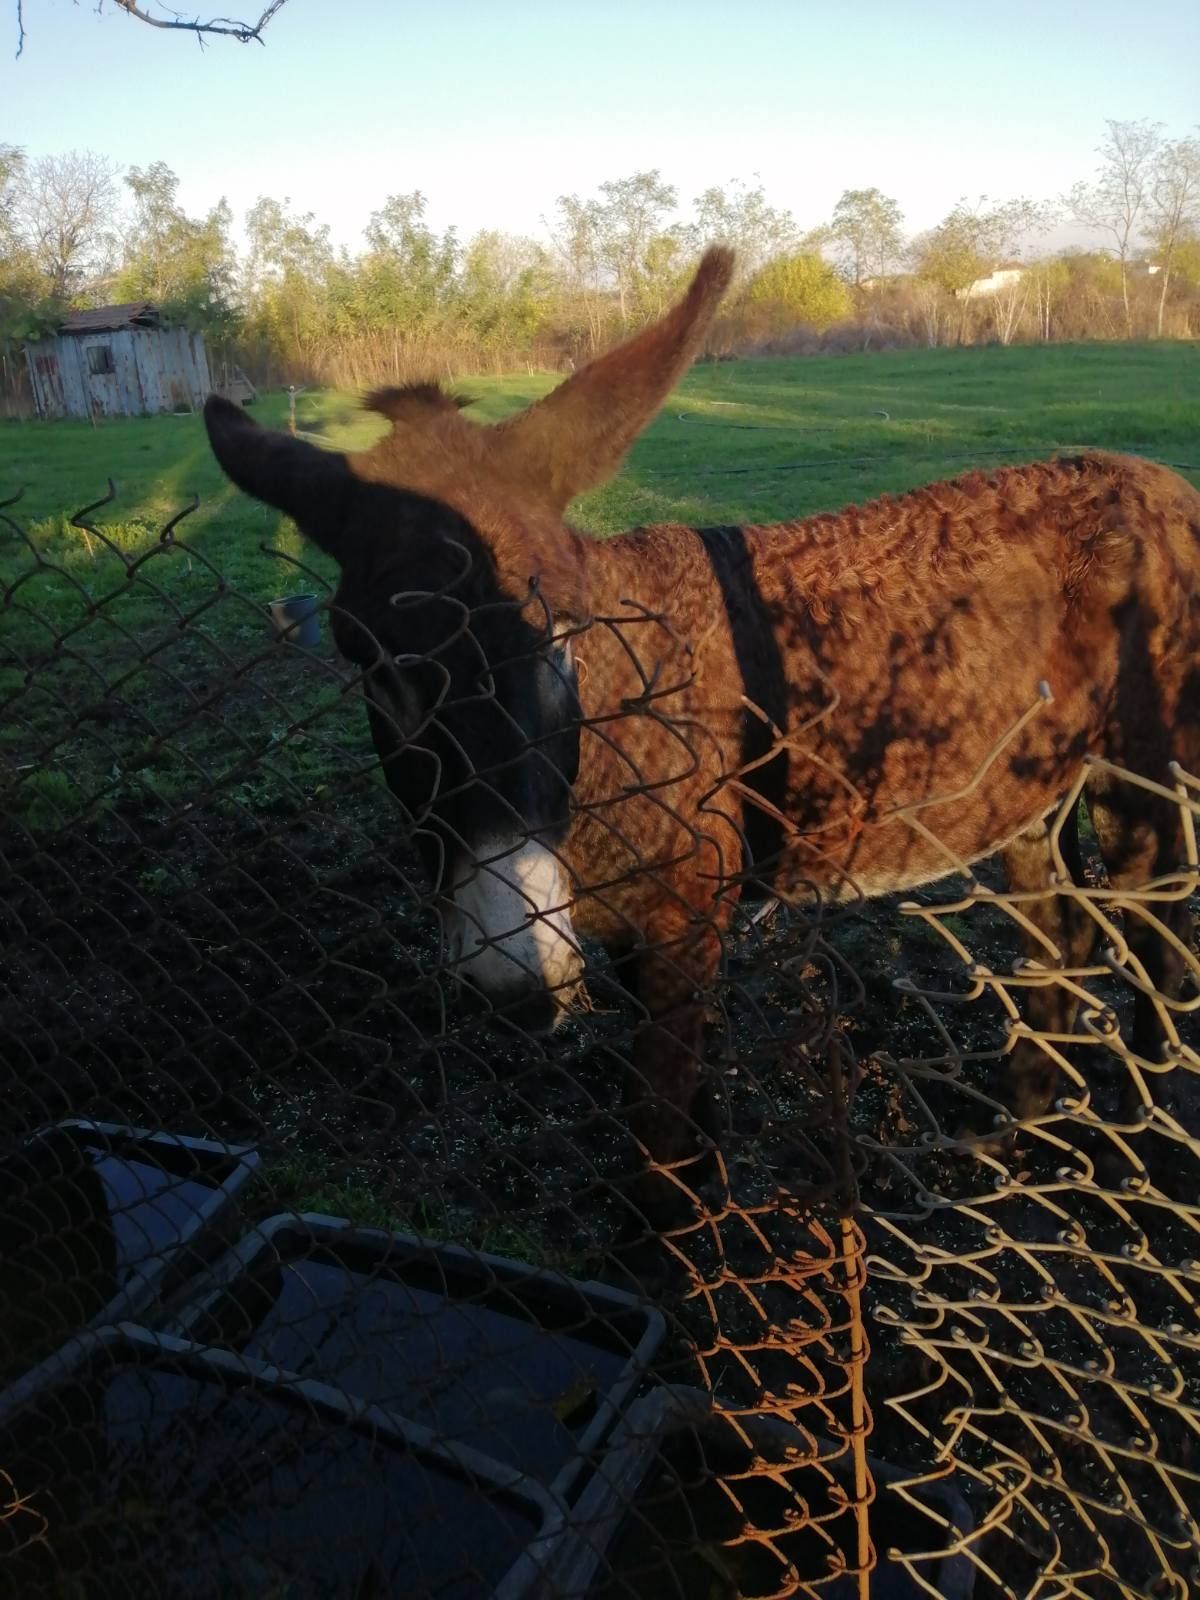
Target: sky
493, 108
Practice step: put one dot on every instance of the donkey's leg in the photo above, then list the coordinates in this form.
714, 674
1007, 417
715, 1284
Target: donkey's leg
669, 1107
1031, 1075
1141, 838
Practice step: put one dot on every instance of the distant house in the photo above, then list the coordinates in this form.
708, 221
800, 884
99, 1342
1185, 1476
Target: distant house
995, 282
117, 361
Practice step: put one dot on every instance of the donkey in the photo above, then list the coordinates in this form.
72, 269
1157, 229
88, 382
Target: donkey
616, 737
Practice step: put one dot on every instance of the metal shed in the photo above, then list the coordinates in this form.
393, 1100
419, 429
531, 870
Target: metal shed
117, 361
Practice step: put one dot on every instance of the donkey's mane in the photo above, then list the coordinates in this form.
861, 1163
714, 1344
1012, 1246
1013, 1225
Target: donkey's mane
403, 401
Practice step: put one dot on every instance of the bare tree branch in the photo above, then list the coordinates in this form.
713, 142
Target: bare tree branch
243, 32
1116, 202
63, 208
1174, 207
175, 22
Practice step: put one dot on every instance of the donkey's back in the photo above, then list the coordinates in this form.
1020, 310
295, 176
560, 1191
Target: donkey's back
928, 624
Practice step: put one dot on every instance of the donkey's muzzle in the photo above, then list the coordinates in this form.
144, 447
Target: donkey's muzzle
508, 932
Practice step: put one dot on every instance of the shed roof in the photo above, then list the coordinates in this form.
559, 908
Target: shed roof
106, 319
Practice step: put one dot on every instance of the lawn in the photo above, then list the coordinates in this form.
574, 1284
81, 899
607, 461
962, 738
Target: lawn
114, 619
740, 439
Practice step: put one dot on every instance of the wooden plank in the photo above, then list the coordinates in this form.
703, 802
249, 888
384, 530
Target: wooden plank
74, 375
128, 379
148, 355
202, 384
45, 378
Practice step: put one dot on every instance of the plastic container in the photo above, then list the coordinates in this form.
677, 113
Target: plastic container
296, 619
146, 1465
530, 1367
98, 1221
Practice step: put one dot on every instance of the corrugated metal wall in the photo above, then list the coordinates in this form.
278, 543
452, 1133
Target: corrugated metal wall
152, 369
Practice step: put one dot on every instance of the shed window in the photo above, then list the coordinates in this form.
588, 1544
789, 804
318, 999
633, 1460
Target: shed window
100, 358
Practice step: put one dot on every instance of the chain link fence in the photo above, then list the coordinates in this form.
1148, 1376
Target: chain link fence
315, 1276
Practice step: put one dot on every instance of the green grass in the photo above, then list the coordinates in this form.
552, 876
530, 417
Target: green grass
765, 441
946, 410
291, 1185
739, 441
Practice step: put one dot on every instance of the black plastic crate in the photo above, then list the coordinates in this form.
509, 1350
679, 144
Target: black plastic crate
97, 1221
144, 1464
530, 1366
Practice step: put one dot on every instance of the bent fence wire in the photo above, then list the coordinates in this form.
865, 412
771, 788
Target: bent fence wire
310, 1268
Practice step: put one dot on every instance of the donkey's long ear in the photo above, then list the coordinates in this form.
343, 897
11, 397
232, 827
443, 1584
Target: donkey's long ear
312, 486
577, 436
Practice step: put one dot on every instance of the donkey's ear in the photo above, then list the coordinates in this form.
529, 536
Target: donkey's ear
577, 436
312, 486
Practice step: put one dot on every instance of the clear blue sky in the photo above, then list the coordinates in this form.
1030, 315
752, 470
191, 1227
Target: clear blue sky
495, 107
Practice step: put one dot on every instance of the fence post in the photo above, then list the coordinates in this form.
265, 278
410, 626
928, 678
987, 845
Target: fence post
291, 408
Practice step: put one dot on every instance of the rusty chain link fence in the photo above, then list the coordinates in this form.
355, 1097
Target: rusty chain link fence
310, 1278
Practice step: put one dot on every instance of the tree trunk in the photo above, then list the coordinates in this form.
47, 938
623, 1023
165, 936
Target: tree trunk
1044, 312
1009, 309
1162, 294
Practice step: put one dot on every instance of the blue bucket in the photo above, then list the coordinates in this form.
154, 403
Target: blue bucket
296, 620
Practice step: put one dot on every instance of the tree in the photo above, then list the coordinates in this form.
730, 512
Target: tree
287, 277
742, 218
615, 241
930, 301
1174, 207
1187, 261
799, 289
666, 267
185, 264
630, 218
576, 242
1048, 280
12, 168
409, 272
24, 309
229, 27
1088, 299
1007, 308
1115, 203
507, 288
64, 208
970, 242
27, 308
867, 233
